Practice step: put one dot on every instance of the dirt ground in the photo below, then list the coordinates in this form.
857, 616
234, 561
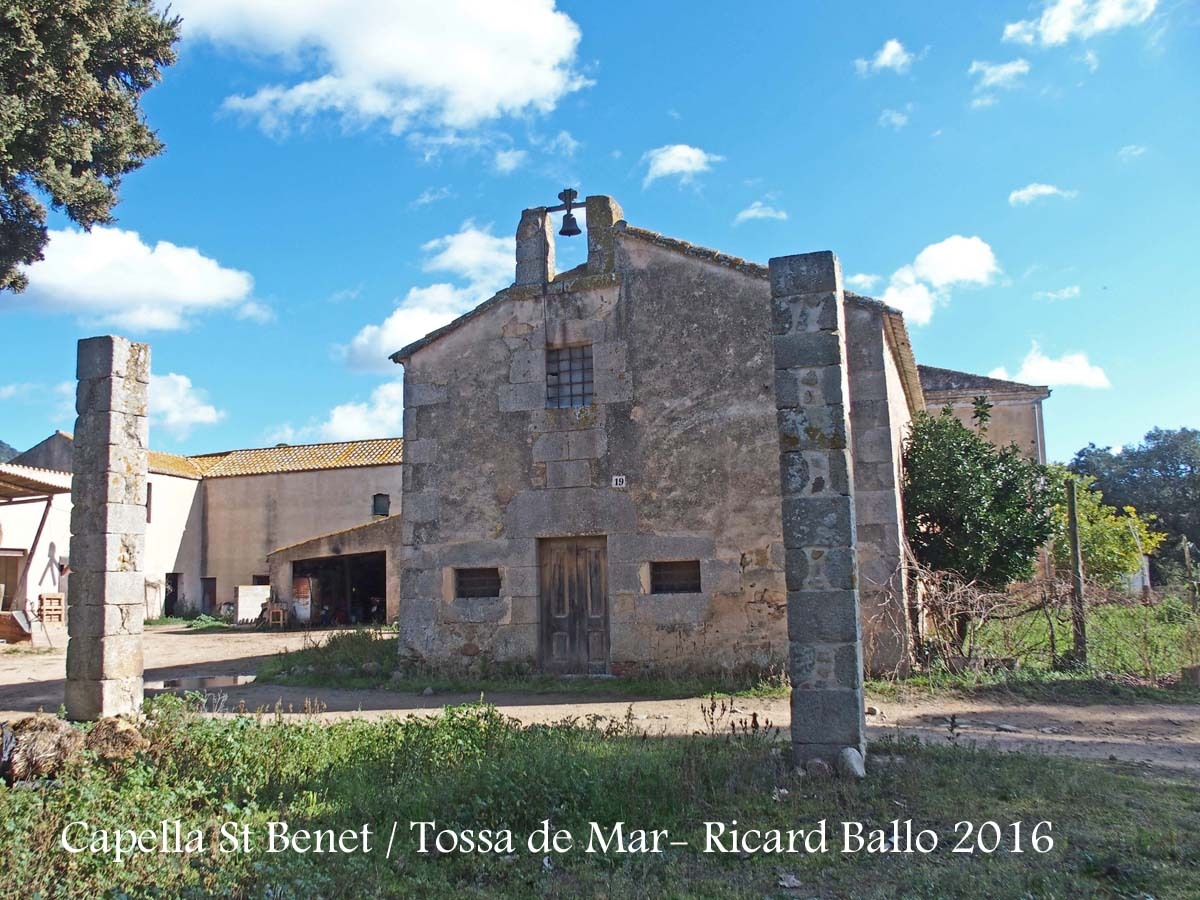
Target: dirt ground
1159, 735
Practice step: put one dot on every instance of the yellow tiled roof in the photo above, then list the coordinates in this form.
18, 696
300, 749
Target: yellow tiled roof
301, 458
170, 464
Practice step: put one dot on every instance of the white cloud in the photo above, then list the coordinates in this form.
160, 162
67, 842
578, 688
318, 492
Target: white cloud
380, 416
956, 260
983, 102
1063, 20
9, 391
1070, 292
677, 159
1130, 152
917, 288
507, 161
1035, 190
893, 118
430, 195
563, 144
253, 311
111, 276
344, 294
759, 210
1000, 372
177, 406
890, 57
1068, 370
910, 296
450, 64
998, 75
863, 282
1091, 59
472, 255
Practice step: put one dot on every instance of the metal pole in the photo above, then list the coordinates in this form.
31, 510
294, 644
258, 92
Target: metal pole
1078, 623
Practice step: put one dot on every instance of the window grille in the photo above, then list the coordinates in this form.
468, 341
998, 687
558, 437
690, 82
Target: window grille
681, 577
476, 583
569, 377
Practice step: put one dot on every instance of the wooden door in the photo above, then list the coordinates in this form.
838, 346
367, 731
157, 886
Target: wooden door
208, 595
573, 629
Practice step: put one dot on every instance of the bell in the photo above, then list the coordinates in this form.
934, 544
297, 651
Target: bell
570, 226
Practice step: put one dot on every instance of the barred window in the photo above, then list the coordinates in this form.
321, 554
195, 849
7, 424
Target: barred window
569, 377
681, 577
476, 583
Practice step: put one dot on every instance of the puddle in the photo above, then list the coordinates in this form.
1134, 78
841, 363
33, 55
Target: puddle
199, 683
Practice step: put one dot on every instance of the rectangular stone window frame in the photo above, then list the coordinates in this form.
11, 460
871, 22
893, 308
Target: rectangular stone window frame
674, 576
381, 505
477, 583
569, 376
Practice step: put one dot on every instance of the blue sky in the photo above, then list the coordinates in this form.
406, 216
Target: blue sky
340, 177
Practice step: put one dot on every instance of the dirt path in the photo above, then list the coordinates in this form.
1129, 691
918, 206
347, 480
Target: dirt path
1159, 735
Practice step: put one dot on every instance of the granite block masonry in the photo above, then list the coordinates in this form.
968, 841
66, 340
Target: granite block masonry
108, 529
817, 486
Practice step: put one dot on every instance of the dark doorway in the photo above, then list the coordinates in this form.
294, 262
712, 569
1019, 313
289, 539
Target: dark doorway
573, 625
171, 594
208, 595
346, 590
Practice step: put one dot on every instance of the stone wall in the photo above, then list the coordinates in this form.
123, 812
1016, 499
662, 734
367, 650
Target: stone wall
108, 527
686, 420
879, 415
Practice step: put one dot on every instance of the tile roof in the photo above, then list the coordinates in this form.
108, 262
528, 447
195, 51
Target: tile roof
17, 482
935, 380
267, 460
170, 464
301, 458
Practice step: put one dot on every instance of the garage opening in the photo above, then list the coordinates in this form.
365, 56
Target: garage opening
350, 589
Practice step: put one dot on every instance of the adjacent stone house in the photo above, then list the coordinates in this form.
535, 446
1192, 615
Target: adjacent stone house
592, 464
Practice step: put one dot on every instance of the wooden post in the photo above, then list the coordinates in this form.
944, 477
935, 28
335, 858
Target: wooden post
1078, 622
1191, 575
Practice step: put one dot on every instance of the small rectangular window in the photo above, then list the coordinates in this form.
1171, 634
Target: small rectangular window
149, 499
476, 583
381, 505
680, 577
569, 377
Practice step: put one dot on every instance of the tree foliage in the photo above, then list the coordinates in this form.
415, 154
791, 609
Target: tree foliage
1111, 540
979, 511
72, 74
1159, 476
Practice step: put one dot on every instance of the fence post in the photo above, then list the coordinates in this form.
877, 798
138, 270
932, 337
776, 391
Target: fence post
1078, 622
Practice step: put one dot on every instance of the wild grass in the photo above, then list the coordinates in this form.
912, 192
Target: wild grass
367, 658
1118, 831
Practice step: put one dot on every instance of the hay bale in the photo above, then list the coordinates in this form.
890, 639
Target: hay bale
41, 743
115, 738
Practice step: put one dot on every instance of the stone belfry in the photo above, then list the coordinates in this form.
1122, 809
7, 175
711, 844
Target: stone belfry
107, 598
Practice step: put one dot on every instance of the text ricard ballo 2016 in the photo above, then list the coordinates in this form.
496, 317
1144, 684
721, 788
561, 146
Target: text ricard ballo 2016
900, 836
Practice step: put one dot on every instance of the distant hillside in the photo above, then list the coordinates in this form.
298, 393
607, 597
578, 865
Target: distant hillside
7, 452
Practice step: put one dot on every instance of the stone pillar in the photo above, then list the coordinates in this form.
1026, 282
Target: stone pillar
817, 479
108, 529
602, 213
535, 247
